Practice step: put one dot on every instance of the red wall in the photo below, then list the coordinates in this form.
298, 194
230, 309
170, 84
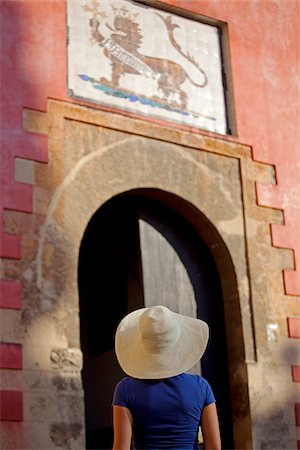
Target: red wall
33, 69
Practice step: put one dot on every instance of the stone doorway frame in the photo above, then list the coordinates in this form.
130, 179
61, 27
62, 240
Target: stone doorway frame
95, 155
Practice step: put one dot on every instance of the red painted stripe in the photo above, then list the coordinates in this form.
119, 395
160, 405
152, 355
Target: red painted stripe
291, 282
10, 356
28, 145
10, 294
11, 405
10, 245
294, 327
296, 373
18, 197
297, 414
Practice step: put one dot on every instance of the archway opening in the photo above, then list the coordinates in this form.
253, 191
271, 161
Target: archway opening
114, 279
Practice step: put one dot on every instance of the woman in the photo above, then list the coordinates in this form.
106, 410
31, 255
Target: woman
158, 405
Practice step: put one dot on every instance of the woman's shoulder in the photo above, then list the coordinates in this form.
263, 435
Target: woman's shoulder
125, 380
193, 378
184, 378
122, 383
128, 381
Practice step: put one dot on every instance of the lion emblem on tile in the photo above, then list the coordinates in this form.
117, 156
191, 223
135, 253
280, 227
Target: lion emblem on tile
122, 49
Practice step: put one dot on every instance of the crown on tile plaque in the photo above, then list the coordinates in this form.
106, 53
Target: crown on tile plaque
124, 13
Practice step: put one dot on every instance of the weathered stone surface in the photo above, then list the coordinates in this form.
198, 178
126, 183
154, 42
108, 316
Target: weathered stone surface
41, 380
95, 155
66, 359
24, 171
11, 380
10, 326
64, 406
265, 384
65, 435
39, 344
13, 436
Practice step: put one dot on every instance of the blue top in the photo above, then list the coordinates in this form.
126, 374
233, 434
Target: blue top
166, 413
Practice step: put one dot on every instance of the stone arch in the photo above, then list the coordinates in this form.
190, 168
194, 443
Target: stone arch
211, 200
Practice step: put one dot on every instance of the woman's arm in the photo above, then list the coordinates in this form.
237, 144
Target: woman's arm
122, 420
210, 428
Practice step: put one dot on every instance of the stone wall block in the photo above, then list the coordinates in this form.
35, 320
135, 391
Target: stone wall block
40, 406
11, 380
56, 381
66, 359
37, 357
259, 172
10, 326
13, 436
283, 352
15, 221
265, 442
43, 177
49, 359
46, 320
36, 121
42, 436
264, 214
276, 420
37, 436
41, 199
70, 382
10, 270
29, 248
24, 170
292, 305
265, 387
281, 258
27, 225
67, 436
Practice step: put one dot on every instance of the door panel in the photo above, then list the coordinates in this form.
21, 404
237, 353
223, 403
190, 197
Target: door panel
165, 278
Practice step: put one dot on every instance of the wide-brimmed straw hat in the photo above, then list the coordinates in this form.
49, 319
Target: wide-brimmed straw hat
155, 342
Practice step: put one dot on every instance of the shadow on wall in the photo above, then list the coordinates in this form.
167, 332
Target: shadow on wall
28, 77
32, 35
274, 421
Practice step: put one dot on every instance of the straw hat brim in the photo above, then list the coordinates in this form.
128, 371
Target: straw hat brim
181, 355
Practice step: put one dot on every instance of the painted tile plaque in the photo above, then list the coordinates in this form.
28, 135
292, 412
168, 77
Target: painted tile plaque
147, 61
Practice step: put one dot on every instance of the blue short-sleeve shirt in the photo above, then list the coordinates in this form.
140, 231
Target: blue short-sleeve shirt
166, 413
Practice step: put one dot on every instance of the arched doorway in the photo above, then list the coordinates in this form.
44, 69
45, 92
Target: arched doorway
113, 280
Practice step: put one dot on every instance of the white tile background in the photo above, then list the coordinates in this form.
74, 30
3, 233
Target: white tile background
198, 39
